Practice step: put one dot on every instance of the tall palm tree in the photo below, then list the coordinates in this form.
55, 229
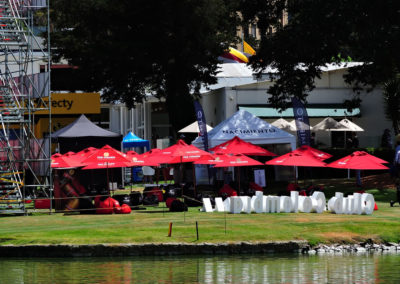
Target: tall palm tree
391, 96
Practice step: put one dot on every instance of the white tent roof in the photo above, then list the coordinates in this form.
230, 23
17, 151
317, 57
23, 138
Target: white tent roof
248, 127
193, 128
329, 124
284, 124
350, 125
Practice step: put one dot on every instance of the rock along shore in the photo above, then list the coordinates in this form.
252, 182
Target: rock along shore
170, 249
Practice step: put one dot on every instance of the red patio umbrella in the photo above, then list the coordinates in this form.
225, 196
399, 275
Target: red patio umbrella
239, 146
105, 158
237, 161
305, 149
182, 153
296, 159
359, 160
223, 160
60, 162
137, 160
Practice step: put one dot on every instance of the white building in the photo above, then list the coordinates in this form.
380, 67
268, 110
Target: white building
238, 88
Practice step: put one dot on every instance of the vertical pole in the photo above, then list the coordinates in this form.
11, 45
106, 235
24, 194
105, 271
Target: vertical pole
225, 220
170, 230
197, 230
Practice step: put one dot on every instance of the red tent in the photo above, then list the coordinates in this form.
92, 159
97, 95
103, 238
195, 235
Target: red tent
359, 160
239, 146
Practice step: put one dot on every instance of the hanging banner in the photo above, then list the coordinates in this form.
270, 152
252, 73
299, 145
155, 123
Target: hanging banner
302, 123
201, 120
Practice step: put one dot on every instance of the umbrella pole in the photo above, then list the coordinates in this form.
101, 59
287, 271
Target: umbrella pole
194, 181
108, 181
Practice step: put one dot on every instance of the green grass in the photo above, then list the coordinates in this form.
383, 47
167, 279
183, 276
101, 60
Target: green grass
144, 226
151, 225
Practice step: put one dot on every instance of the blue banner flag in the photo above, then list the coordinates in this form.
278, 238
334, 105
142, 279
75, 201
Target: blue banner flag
201, 120
302, 123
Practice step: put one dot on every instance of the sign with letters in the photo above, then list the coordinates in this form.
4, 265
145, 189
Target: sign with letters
357, 204
70, 103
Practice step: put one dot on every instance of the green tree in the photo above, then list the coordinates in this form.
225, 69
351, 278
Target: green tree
391, 95
321, 32
132, 48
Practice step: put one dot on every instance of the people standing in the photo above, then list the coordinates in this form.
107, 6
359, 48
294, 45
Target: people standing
386, 141
396, 165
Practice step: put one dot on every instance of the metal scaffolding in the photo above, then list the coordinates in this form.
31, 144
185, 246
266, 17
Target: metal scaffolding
24, 92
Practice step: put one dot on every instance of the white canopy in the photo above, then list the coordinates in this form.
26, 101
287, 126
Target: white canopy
303, 125
283, 124
350, 125
193, 128
329, 124
248, 127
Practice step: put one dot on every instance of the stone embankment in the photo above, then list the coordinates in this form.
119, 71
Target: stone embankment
169, 249
353, 248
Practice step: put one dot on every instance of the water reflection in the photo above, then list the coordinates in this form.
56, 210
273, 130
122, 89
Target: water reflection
366, 268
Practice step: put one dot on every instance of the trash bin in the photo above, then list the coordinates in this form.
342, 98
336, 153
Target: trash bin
137, 174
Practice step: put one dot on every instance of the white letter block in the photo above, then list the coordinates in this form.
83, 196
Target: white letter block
259, 193
319, 202
272, 203
357, 204
345, 206
350, 204
219, 205
227, 204
285, 204
305, 204
207, 207
246, 204
236, 204
294, 195
368, 202
257, 204
339, 197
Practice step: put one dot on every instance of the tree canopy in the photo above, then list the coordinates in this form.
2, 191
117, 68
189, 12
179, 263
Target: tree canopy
321, 32
132, 48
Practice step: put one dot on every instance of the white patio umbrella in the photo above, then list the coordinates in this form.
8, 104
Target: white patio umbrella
193, 128
284, 124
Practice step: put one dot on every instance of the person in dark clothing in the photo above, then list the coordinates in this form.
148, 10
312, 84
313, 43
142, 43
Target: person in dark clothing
386, 141
355, 141
396, 164
312, 139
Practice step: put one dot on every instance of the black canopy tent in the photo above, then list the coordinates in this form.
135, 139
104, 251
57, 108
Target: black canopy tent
83, 133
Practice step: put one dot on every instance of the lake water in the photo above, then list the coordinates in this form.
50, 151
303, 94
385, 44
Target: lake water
366, 268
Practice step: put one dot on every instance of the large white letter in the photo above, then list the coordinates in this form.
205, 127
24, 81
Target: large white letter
294, 195
319, 201
285, 204
272, 203
219, 205
207, 207
305, 204
246, 204
368, 202
236, 204
257, 203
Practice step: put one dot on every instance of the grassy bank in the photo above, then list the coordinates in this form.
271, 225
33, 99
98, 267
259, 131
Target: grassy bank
151, 225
